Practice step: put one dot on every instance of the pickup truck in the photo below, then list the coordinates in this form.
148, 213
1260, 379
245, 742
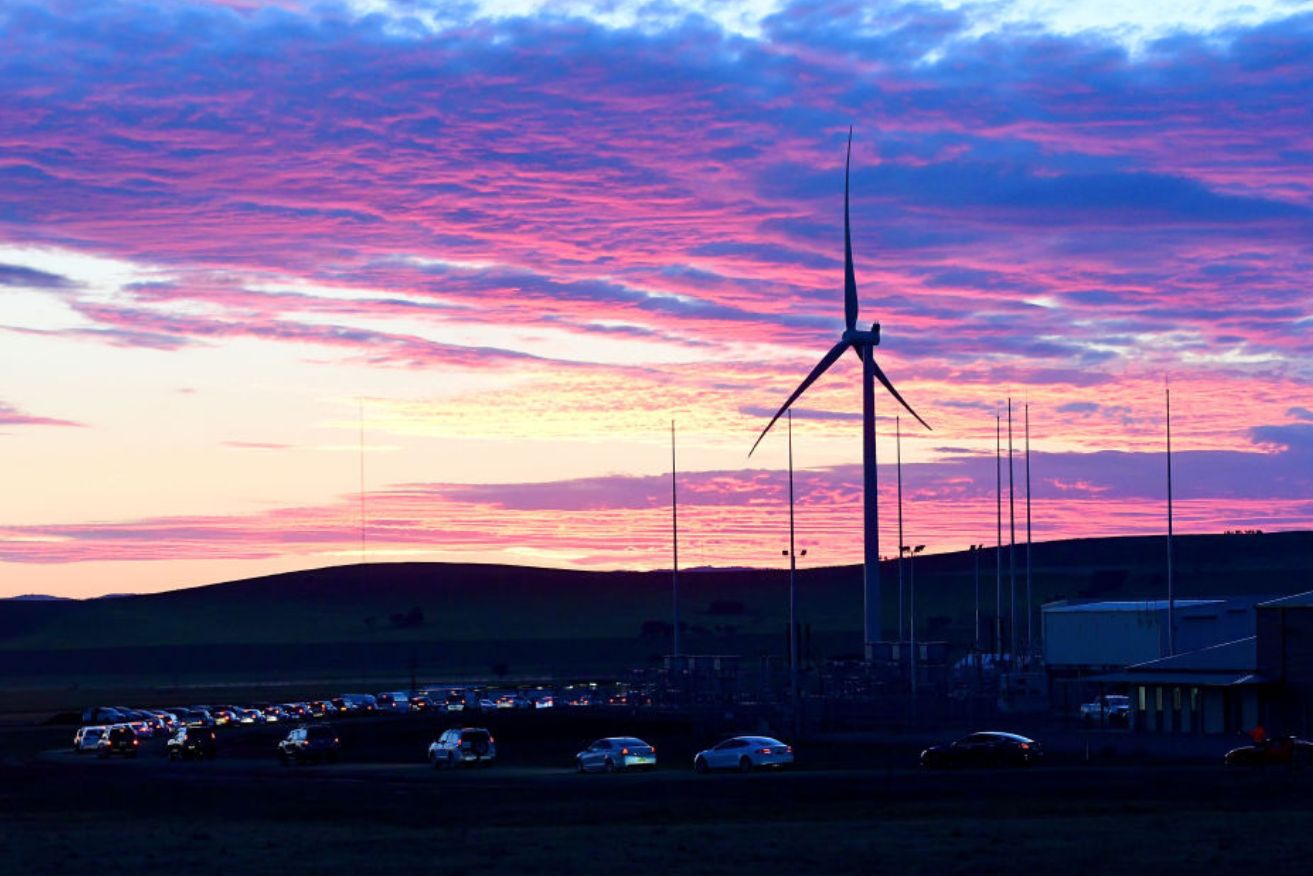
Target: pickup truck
1111, 709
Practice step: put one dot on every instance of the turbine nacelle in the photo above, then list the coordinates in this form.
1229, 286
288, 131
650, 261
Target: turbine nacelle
863, 339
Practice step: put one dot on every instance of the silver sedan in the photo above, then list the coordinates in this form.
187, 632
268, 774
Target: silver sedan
616, 753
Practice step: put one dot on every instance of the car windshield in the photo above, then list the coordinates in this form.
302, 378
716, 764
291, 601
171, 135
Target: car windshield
318, 733
473, 735
631, 742
763, 740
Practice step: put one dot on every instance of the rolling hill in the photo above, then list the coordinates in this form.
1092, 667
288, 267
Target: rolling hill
464, 618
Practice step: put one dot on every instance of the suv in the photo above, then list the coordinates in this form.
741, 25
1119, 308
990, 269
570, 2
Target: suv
190, 742
87, 738
309, 744
467, 745
118, 739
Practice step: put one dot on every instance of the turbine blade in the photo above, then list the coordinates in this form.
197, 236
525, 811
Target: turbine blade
880, 375
849, 278
830, 358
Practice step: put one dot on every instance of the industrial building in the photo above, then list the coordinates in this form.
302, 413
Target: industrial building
1084, 641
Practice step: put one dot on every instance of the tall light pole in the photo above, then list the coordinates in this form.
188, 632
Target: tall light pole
975, 559
911, 594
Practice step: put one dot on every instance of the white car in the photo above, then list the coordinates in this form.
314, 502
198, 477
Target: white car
616, 753
745, 754
87, 738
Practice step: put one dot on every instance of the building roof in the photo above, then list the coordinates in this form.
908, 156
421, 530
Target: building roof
1296, 600
1185, 679
1240, 655
1132, 605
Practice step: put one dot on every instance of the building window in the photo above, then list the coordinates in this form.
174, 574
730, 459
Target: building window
1176, 698
1144, 706
1158, 698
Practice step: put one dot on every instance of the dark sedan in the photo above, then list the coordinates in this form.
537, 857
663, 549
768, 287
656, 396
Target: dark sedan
1288, 751
987, 749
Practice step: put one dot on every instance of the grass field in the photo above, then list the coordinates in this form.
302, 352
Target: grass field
207, 819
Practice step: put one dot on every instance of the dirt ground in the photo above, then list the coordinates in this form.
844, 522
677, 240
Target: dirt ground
386, 811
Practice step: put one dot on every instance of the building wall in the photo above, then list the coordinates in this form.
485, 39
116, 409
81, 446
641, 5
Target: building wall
1102, 638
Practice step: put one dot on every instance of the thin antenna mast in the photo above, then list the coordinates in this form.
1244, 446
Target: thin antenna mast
674, 543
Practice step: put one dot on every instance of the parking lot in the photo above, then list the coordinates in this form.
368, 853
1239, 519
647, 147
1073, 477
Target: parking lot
848, 805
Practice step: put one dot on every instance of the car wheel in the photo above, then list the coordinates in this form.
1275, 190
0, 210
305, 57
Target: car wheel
701, 765
579, 765
609, 766
451, 760
745, 765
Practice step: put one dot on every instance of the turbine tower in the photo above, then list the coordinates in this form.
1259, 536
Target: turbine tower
863, 344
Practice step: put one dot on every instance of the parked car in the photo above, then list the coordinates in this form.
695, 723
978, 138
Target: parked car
275, 714
1111, 709
616, 753
991, 748
118, 739
101, 716
321, 709
422, 703
468, 745
455, 701
87, 738
745, 754
188, 743
356, 703
201, 718
313, 743
394, 701
1285, 751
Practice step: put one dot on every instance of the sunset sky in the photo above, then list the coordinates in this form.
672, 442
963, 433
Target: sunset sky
510, 242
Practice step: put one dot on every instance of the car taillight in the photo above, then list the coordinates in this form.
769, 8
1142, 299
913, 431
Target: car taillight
492, 741
789, 749
624, 751
1024, 746
764, 751
135, 742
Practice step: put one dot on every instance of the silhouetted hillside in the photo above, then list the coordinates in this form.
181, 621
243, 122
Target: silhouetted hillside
470, 613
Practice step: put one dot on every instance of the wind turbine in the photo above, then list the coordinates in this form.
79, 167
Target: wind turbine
863, 344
